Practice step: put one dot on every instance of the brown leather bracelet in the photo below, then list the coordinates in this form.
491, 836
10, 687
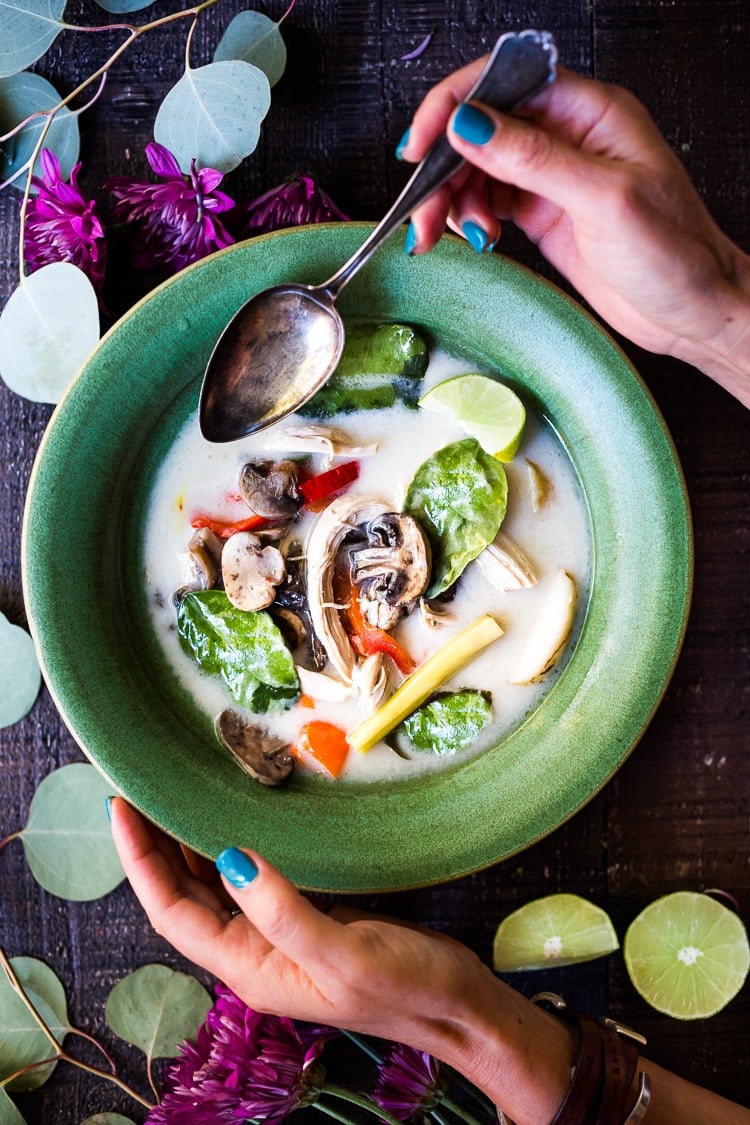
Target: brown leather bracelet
581, 1102
620, 1061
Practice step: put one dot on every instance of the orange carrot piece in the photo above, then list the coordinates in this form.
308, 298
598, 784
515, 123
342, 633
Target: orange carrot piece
325, 744
306, 701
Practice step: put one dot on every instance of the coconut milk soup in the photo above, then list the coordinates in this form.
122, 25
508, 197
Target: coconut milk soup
314, 604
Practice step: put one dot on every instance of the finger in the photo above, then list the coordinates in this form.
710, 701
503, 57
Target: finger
180, 907
283, 916
432, 116
428, 221
471, 215
527, 157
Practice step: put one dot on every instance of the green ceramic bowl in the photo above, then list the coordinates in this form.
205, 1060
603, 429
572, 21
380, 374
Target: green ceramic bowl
104, 666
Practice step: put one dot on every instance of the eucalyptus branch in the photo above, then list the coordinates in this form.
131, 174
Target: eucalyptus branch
188, 42
25, 1070
60, 1053
13, 836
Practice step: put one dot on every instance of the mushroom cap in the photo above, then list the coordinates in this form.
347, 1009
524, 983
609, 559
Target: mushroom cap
251, 572
271, 490
263, 756
394, 563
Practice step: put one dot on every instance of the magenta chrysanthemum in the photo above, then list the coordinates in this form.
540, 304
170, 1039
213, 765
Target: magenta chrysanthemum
296, 202
176, 219
408, 1083
243, 1065
61, 226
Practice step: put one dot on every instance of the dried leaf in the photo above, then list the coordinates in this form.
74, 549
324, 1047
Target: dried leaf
47, 329
67, 840
20, 676
21, 1039
155, 1008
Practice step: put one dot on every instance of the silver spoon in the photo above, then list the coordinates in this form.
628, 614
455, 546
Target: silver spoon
284, 343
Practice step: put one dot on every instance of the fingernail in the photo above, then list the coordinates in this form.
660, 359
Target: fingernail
108, 807
402, 144
475, 236
235, 866
411, 240
472, 125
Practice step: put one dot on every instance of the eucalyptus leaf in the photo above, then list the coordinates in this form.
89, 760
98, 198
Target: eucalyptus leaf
213, 115
449, 722
106, 1118
254, 38
459, 497
29, 28
9, 1114
117, 7
20, 96
20, 677
155, 1008
48, 327
67, 839
21, 1039
247, 650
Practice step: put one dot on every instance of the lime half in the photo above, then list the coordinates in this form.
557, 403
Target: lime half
486, 409
555, 930
687, 955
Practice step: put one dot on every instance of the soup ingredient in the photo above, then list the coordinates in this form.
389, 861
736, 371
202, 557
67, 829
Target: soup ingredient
558, 929
251, 572
393, 564
20, 677
325, 486
373, 681
378, 367
271, 490
459, 496
549, 632
459, 651
449, 722
488, 410
246, 650
505, 565
323, 745
687, 955
327, 440
540, 486
204, 550
225, 528
368, 639
261, 755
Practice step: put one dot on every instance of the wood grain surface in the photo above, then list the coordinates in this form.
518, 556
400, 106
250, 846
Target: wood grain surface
676, 815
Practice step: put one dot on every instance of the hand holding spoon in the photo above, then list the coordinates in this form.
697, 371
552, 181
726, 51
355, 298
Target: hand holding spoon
284, 343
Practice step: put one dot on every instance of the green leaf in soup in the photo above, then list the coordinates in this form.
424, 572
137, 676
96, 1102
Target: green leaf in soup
379, 366
459, 496
213, 115
30, 27
47, 329
21, 1040
155, 1008
21, 95
247, 650
67, 839
449, 722
9, 1114
256, 39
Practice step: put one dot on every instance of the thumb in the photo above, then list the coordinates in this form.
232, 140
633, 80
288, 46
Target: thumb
517, 152
276, 909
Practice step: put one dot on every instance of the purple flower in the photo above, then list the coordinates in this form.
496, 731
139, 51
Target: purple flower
176, 219
408, 1082
61, 226
243, 1065
295, 203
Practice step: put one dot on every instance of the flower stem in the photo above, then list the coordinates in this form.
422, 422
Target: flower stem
363, 1045
361, 1101
459, 1111
481, 1099
60, 1053
331, 1112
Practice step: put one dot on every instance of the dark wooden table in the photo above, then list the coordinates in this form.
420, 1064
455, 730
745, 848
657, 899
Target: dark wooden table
676, 815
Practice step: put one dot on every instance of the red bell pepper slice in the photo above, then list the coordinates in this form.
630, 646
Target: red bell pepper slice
325, 486
367, 639
224, 528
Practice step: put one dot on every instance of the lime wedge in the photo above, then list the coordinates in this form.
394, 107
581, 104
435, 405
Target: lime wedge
555, 930
687, 955
486, 409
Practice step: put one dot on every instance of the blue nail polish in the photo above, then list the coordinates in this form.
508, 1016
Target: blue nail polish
411, 240
471, 125
475, 236
402, 144
235, 866
108, 807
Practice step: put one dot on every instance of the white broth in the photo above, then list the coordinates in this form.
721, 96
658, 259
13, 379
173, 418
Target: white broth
197, 475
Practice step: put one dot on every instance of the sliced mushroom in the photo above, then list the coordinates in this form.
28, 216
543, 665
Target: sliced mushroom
334, 523
318, 439
394, 563
292, 626
202, 564
378, 613
291, 597
251, 572
262, 755
433, 615
505, 565
271, 490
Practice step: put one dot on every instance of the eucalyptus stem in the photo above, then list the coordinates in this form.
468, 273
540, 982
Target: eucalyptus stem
60, 1053
361, 1101
12, 836
25, 1070
95, 1043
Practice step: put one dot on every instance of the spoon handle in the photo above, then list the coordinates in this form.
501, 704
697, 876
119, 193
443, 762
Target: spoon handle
521, 64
